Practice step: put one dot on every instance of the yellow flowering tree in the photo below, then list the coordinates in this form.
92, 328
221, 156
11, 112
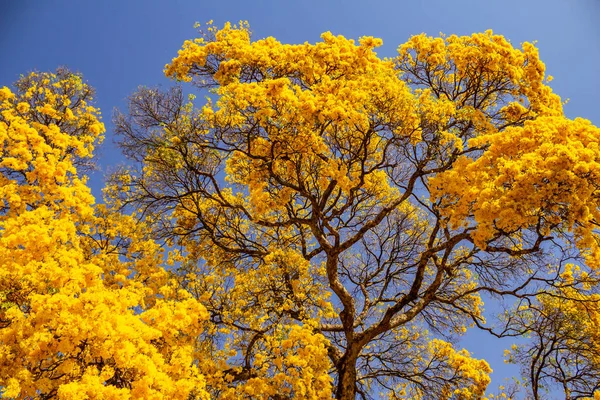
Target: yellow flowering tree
323, 225
368, 202
564, 326
86, 309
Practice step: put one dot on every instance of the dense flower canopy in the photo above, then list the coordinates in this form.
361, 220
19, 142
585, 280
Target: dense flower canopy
322, 225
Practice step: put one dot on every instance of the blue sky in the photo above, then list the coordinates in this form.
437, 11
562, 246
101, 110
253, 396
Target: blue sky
120, 44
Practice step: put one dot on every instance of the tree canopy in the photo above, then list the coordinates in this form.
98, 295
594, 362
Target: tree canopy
324, 223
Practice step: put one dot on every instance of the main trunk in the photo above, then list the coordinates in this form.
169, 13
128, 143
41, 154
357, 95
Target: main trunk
346, 387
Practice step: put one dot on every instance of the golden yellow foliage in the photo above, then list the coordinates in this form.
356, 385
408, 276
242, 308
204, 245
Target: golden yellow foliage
76, 322
323, 225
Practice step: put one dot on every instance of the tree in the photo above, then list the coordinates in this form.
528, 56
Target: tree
565, 344
323, 225
370, 202
86, 309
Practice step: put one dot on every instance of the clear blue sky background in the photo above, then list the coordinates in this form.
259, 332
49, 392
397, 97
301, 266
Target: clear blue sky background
120, 44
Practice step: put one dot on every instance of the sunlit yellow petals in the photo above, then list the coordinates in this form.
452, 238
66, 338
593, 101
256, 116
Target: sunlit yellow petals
70, 301
542, 172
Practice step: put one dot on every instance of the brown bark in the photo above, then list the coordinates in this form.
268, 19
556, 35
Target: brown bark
346, 386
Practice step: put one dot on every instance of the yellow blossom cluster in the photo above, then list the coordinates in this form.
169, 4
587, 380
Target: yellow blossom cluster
353, 96
76, 320
539, 176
